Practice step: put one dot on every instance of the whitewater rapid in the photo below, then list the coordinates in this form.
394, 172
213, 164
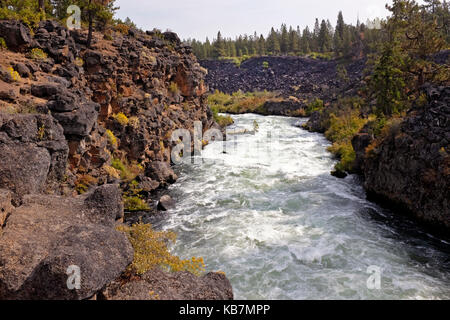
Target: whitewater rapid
268, 213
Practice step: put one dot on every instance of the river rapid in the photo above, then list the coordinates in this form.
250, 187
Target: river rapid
268, 213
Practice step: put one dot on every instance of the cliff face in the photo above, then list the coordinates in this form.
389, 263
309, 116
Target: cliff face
77, 120
410, 167
139, 87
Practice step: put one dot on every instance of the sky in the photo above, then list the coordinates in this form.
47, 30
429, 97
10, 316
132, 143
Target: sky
203, 18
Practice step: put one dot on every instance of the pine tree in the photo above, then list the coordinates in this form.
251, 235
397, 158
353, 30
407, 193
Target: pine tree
293, 41
219, 47
324, 39
284, 41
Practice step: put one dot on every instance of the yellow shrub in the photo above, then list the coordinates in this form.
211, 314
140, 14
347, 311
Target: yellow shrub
122, 28
111, 138
110, 171
151, 250
14, 74
84, 182
121, 118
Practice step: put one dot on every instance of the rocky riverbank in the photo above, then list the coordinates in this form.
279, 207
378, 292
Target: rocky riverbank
84, 132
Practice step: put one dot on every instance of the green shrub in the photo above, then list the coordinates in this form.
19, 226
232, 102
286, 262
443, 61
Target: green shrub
127, 171
173, 88
135, 203
341, 131
316, 105
265, 65
3, 45
38, 54
151, 250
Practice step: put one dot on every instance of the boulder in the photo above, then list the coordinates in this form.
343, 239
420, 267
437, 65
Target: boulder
79, 122
15, 33
162, 172
33, 153
45, 90
160, 285
166, 203
49, 234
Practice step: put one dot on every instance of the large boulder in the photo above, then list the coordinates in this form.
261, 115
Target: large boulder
79, 122
33, 153
15, 33
160, 285
47, 235
161, 172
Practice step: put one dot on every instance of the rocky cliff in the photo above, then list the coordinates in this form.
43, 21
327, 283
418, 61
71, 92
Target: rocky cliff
410, 166
79, 129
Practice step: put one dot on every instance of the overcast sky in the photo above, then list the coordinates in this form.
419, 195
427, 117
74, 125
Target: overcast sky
203, 18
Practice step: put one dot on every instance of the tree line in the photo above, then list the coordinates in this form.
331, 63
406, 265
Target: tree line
323, 38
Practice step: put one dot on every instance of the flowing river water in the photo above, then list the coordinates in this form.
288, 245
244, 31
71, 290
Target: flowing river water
269, 214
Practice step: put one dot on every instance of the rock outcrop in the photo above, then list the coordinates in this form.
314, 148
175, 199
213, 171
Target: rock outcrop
33, 153
410, 167
47, 235
159, 285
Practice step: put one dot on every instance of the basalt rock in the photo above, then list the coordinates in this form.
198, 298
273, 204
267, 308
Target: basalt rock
410, 167
15, 34
47, 235
157, 284
33, 153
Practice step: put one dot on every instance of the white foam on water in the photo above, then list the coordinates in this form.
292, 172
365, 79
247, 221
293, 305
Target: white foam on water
281, 227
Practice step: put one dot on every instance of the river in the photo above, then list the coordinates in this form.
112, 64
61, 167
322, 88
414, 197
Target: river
269, 214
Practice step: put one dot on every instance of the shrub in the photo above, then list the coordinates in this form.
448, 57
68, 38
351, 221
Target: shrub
122, 28
127, 171
14, 74
111, 138
341, 131
38, 54
84, 182
79, 62
111, 172
121, 118
173, 88
135, 203
265, 65
151, 250
3, 45
316, 105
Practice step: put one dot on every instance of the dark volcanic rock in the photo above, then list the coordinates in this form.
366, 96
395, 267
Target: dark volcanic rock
15, 33
48, 234
157, 284
411, 166
166, 203
33, 153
